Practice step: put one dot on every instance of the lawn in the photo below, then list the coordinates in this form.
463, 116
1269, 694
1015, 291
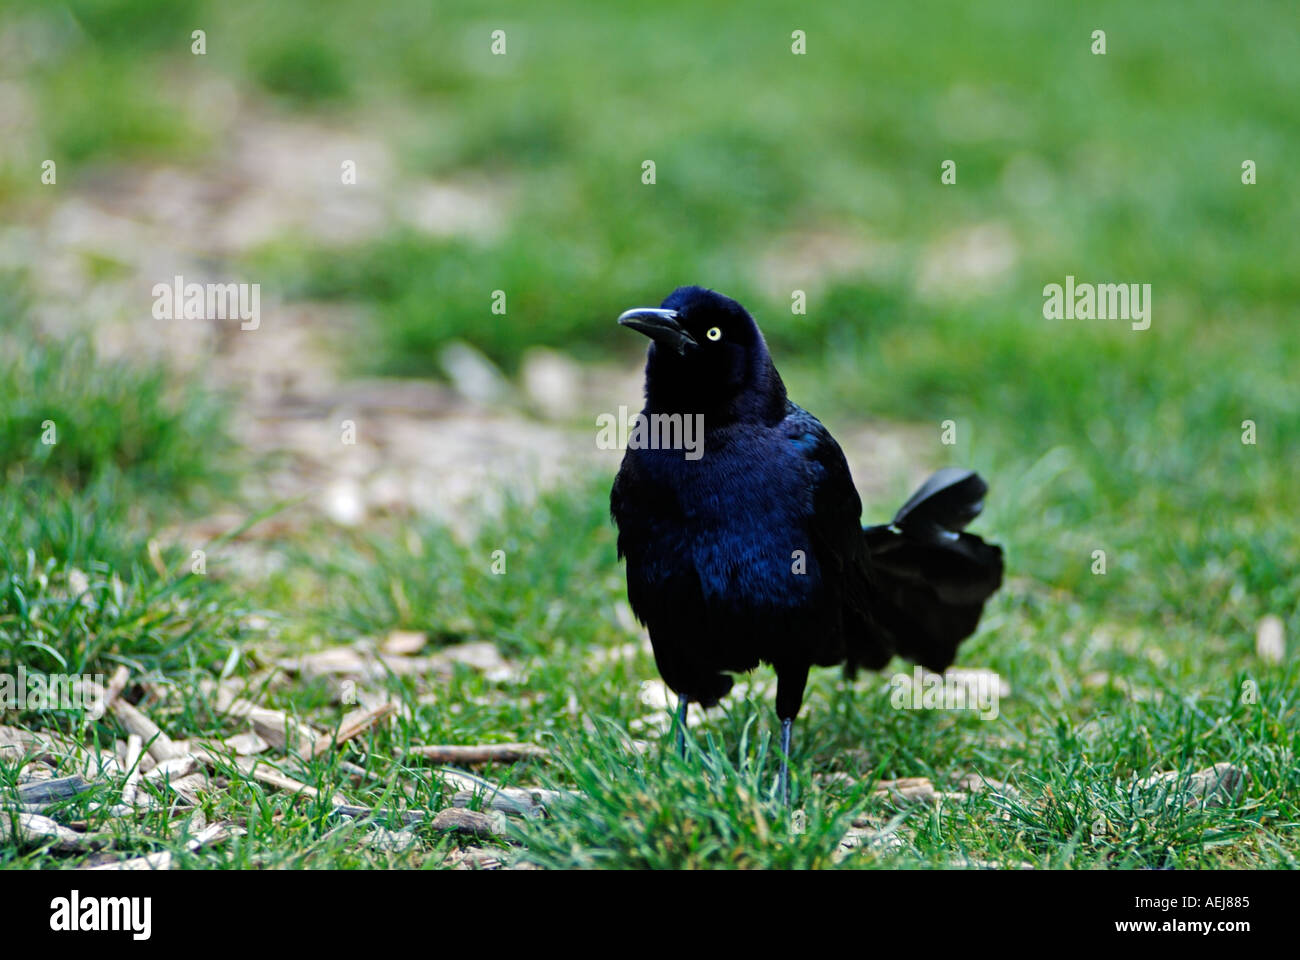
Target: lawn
1106, 448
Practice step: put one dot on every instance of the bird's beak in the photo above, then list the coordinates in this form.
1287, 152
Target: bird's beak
659, 325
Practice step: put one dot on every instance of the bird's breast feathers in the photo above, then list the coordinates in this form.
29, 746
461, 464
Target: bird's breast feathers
737, 520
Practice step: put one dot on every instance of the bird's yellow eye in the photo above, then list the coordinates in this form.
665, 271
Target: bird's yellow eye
715, 333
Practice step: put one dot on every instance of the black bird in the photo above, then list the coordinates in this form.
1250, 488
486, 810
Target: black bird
753, 550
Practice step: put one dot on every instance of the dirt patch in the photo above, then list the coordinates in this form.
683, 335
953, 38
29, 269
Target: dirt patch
347, 450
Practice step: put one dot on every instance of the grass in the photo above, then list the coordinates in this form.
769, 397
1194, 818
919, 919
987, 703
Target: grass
96, 455
78, 421
1072, 746
1094, 437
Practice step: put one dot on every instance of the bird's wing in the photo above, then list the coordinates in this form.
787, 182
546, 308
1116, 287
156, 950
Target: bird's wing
622, 498
834, 518
640, 507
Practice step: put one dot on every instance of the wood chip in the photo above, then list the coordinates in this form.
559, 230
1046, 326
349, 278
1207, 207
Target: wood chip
912, 790
276, 727
515, 800
118, 810
284, 733
334, 661
460, 780
977, 783
173, 769
35, 770
144, 762
92, 764
189, 787
207, 836
475, 858
993, 865
246, 744
354, 724
482, 655
33, 829
41, 808
391, 841
465, 821
15, 736
404, 643
215, 752
479, 753
160, 746
864, 837
467, 785
150, 861
213, 833
358, 773
407, 817
45, 791
353, 662
263, 772
214, 755
134, 749
109, 694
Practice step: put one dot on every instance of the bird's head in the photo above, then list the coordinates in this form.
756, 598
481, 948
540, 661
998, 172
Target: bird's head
706, 354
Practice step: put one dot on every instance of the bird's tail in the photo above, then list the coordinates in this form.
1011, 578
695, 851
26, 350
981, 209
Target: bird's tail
929, 579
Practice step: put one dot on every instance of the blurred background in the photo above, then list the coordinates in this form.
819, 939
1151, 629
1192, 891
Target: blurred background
522, 173
774, 173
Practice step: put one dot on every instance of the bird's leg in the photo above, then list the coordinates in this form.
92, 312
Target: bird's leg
682, 703
790, 682
787, 727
